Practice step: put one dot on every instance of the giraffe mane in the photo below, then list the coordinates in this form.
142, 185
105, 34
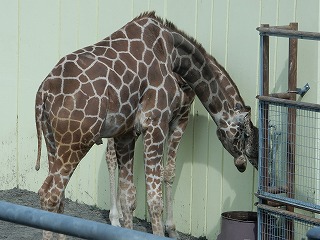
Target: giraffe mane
171, 26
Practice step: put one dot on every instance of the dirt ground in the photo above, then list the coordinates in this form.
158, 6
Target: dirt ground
12, 231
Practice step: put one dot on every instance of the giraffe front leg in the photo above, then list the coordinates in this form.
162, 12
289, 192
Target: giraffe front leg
115, 210
127, 191
154, 175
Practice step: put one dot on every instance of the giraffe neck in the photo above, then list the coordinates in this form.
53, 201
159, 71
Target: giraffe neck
209, 80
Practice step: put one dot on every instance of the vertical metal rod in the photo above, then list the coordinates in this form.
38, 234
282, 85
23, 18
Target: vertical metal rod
265, 116
263, 140
291, 130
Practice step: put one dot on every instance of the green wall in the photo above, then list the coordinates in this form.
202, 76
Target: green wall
35, 34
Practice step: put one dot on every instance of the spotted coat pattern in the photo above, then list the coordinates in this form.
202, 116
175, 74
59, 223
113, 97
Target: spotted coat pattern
124, 86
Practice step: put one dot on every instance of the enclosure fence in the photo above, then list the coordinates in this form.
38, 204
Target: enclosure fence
289, 153
68, 225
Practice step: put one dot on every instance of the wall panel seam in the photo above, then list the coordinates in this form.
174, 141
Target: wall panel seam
17, 96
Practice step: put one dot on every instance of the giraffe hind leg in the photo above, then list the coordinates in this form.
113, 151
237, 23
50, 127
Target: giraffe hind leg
169, 171
51, 151
53, 189
169, 175
115, 210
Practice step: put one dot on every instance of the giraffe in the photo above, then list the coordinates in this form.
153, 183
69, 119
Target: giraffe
124, 86
177, 127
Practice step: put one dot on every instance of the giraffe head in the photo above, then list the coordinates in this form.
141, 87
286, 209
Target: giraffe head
240, 138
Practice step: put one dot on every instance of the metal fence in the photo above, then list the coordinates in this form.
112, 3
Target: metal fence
278, 224
289, 169
68, 225
289, 153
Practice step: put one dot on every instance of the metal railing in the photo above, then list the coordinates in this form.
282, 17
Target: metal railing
68, 225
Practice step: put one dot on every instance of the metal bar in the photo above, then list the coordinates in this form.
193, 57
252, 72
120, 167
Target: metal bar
264, 109
280, 95
68, 225
294, 215
278, 32
290, 103
263, 116
291, 132
291, 202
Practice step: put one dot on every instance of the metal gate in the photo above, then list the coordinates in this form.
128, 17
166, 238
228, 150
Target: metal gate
289, 148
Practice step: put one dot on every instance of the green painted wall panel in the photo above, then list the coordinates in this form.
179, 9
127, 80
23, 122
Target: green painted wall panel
219, 30
38, 51
8, 91
158, 6
214, 183
201, 131
37, 34
243, 35
69, 28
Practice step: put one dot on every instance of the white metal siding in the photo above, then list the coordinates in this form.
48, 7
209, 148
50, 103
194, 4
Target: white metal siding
35, 34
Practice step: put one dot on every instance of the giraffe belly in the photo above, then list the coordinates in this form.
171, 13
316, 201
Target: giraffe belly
113, 125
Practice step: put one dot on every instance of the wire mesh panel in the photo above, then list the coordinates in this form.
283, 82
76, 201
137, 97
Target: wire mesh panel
277, 224
289, 152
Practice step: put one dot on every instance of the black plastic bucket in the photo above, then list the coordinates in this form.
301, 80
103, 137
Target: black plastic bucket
238, 225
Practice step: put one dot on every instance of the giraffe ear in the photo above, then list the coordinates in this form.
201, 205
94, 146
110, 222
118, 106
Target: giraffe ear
246, 115
239, 107
248, 125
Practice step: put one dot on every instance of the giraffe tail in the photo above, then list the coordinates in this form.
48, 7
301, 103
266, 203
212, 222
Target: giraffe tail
39, 106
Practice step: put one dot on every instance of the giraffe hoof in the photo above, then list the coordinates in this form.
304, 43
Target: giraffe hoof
174, 235
172, 232
115, 223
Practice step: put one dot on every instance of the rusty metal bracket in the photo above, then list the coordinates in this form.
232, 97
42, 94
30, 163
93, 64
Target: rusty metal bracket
301, 91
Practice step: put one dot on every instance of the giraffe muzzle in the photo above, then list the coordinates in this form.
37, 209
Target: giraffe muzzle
241, 163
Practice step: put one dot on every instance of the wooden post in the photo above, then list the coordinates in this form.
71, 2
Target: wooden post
265, 59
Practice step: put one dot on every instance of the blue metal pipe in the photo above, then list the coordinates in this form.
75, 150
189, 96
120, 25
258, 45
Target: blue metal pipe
68, 225
314, 233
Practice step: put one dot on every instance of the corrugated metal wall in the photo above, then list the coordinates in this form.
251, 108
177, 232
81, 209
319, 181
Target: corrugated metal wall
34, 35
